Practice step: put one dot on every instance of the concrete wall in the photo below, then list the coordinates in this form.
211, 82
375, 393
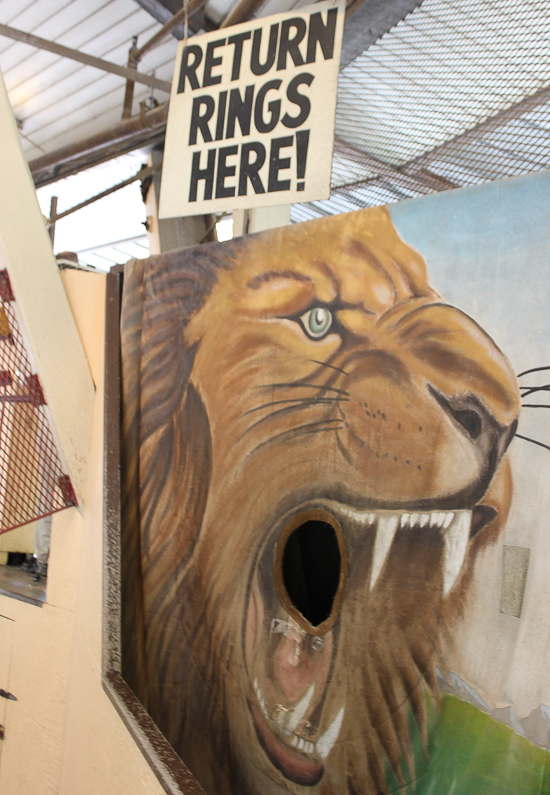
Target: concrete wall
19, 540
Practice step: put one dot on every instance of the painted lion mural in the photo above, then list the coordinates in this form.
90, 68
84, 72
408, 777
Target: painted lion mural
314, 450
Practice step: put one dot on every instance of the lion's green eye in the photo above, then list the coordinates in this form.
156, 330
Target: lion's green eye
317, 322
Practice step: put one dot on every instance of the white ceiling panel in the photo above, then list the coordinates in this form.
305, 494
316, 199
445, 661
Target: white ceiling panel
42, 93
37, 13
10, 8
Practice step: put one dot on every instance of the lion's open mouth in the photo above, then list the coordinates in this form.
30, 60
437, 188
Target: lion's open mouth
297, 710
300, 760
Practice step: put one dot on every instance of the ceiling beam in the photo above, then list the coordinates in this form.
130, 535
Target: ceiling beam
125, 136
480, 130
82, 57
367, 21
420, 183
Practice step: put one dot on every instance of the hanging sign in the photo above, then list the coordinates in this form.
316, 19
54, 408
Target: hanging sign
251, 119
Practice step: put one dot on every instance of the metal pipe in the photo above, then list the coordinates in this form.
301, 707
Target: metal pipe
129, 91
82, 57
142, 174
124, 129
139, 140
482, 128
417, 182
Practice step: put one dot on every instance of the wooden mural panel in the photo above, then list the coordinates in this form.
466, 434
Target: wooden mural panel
316, 456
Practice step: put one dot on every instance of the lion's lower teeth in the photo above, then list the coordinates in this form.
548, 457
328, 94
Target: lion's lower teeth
288, 721
298, 713
326, 742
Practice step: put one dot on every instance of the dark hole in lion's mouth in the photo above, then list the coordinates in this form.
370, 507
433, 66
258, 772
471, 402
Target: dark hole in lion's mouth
311, 567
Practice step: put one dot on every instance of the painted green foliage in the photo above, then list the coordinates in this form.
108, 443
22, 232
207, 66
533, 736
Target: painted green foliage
469, 753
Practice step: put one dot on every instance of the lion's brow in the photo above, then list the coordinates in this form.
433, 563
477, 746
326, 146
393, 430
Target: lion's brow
259, 280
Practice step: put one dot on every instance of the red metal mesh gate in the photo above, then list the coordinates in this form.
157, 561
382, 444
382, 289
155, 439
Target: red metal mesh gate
32, 481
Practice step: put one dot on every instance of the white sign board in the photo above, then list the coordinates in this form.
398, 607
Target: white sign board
251, 120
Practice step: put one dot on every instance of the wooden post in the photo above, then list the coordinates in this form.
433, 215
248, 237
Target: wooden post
166, 234
245, 222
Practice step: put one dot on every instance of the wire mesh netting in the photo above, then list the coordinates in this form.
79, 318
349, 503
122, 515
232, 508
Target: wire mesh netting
456, 94
32, 481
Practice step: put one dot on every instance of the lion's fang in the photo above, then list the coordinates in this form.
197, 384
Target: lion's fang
456, 543
325, 744
385, 532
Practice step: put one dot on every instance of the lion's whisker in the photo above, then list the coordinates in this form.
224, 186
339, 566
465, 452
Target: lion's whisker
305, 404
533, 370
331, 366
300, 430
535, 406
532, 390
296, 384
309, 401
342, 448
533, 441
319, 430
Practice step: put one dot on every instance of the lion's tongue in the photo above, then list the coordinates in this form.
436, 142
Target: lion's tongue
297, 767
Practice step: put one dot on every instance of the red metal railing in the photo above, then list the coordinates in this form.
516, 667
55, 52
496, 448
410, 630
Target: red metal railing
32, 481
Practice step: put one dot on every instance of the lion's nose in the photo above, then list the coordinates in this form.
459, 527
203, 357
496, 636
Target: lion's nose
478, 424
